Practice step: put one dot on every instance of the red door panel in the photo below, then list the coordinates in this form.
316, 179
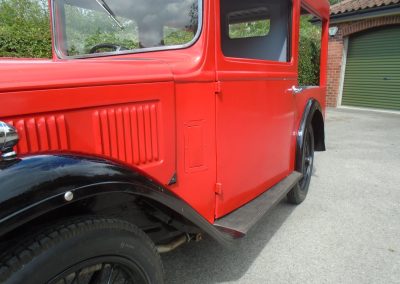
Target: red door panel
256, 113
255, 122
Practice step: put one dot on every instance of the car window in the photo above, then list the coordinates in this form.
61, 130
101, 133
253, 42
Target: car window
93, 27
256, 29
242, 26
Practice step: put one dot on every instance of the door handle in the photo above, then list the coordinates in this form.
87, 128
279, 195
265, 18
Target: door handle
296, 90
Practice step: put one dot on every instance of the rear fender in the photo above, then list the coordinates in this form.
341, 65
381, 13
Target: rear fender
312, 115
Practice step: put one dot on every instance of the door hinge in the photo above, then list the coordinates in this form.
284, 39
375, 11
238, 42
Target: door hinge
218, 188
218, 88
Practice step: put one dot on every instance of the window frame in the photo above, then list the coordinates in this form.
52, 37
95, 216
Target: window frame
256, 61
56, 37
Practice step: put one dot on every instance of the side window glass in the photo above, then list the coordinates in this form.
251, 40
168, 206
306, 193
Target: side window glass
100, 33
256, 29
309, 49
244, 27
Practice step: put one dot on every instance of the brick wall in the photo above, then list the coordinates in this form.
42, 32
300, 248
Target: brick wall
335, 50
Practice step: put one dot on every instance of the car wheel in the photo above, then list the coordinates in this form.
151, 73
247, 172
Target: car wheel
90, 250
299, 192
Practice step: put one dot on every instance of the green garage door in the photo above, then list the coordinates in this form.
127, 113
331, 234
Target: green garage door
372, 77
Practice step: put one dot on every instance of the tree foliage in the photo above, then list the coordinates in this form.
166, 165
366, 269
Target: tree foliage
309, 52
249, 29
24, 28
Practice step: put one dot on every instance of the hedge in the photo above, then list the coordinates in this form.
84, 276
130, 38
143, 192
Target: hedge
24, 29
309, 53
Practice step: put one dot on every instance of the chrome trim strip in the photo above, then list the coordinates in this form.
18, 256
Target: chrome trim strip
60, 54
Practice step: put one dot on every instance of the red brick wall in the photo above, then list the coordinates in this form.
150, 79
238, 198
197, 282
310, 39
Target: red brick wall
335, 50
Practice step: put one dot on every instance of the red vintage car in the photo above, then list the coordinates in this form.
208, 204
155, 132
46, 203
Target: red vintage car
156, 121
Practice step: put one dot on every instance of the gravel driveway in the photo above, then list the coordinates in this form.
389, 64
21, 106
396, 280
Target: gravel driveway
347, 230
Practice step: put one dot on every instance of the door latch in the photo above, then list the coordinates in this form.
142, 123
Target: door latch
296, 90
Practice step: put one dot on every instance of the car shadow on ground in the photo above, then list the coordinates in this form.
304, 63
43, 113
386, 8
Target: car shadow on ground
209, 262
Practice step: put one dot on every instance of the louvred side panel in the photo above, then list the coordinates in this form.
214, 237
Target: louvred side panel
128, 133
132, 124
41, 133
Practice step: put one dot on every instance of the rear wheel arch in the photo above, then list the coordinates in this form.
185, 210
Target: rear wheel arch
312, 115
318, 125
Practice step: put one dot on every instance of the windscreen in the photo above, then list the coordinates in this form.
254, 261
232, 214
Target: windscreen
98, 27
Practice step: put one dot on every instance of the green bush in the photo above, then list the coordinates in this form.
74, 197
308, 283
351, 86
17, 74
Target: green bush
24, 29
309, 61
309, 53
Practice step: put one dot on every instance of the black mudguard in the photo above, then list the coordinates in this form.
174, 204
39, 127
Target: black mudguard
312, 106
35, 185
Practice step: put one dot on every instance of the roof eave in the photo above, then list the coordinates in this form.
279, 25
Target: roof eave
366, 14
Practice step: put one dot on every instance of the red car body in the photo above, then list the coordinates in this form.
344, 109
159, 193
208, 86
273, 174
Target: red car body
108, 159
216, 131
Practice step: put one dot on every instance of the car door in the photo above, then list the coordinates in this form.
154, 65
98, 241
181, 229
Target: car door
254, 107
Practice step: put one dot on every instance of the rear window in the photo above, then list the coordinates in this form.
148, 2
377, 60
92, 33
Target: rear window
243, 25
256, 29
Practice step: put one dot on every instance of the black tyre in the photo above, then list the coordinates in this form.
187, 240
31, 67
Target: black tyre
90, 250
299, 192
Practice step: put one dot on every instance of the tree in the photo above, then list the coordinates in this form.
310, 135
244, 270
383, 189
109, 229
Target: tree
24, 28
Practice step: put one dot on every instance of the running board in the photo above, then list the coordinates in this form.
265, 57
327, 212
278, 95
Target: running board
240, 221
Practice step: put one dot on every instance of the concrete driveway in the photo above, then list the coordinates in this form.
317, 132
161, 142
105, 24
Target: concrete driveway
347, 230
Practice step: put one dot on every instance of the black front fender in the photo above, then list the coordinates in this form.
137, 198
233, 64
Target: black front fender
35, 185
